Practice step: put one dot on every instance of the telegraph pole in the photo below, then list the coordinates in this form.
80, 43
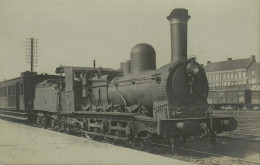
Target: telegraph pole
31, 52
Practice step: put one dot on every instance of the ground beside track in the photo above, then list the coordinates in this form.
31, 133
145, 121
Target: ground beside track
22, 144
228, 151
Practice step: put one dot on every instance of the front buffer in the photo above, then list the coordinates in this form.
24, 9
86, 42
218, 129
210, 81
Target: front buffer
178, 130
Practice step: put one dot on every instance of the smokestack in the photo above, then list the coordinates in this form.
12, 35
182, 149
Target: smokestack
178, 25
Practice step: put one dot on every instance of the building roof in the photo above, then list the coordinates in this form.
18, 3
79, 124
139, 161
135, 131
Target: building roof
229, 65
255, 66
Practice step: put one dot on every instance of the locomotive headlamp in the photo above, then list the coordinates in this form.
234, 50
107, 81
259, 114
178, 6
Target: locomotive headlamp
192, 69
192, 66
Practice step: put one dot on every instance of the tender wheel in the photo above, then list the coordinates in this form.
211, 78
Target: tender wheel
67, 130
53, 124
40, 121
136, 144
111, 140
141, 144
91, 136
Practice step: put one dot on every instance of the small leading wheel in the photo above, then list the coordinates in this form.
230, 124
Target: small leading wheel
175, 144
40, 122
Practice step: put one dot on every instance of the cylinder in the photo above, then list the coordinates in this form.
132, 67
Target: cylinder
178, 25
142, 58
125, 67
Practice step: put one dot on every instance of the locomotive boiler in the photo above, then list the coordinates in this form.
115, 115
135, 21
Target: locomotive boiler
140, 105
175, 90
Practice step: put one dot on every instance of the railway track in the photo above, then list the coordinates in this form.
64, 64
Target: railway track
241, 136
219, 155
228, 151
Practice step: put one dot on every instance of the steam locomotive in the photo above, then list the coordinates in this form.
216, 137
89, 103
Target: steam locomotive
139, 104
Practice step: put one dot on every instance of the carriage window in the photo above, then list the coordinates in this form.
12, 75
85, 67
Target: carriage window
9, 90
14, 90
2, 91
21, 88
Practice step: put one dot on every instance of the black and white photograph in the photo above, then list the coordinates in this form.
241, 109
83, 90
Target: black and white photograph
130, 82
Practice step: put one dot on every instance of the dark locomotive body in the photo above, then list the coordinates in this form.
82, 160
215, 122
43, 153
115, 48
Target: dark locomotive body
140, 104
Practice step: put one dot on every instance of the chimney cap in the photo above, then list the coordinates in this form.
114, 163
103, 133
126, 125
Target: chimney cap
179, 13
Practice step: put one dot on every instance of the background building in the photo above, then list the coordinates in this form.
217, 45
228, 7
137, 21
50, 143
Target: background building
233, 74
234, 84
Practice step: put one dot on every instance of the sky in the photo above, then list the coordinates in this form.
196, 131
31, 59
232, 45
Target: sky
75, 32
